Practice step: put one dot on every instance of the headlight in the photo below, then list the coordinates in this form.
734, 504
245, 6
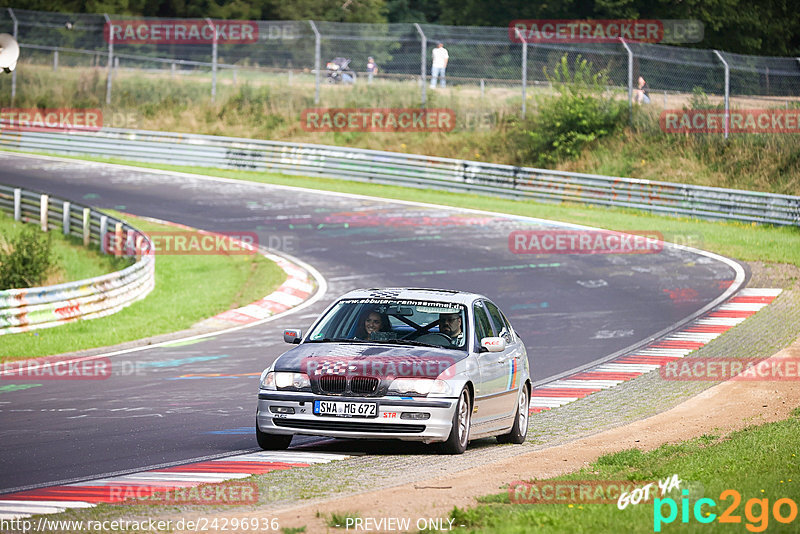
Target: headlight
419, 386
283, 380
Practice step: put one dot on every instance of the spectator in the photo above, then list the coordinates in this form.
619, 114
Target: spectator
372, 69
642, 94
440, 58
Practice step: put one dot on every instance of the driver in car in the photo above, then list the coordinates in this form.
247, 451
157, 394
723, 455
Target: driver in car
450, 325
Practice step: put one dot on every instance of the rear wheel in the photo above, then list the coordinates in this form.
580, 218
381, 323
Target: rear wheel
458, 439
271, 442
520, 429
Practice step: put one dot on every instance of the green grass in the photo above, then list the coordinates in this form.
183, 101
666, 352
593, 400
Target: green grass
759, 462
747, 242
189, 288
339, 520
72, 261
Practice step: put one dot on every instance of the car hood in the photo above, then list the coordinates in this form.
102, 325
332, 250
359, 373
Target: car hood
368, 359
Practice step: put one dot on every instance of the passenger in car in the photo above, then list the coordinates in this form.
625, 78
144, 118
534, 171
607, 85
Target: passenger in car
371, 323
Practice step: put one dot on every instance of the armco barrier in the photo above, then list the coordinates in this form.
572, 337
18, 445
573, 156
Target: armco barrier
415, 171
44, 307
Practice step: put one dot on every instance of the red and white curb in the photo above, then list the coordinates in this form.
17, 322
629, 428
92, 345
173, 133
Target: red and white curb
672, 347
297, 288
56, 499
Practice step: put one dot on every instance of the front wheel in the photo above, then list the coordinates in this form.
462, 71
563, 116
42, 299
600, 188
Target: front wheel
520, 429
272, 442
459, 433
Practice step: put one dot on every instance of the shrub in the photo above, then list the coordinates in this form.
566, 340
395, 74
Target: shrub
579, 114
26, 260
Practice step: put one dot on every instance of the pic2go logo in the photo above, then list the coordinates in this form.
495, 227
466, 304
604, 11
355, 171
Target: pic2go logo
783, 510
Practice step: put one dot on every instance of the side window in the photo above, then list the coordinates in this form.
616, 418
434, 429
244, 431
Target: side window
500, 322
483, 328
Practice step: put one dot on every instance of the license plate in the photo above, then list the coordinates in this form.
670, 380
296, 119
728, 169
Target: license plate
346, 409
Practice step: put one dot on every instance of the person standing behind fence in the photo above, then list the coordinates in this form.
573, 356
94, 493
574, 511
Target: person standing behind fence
372, 69
642, 94
440, 58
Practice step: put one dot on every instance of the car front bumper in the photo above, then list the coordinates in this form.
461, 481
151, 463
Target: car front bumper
389, 424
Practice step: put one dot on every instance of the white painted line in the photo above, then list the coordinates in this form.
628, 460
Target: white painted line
286, 457
300, 285
57, 504
675, 353
700, 337
183, 477
720, 321
551, 402
626, 367
580, 384
284, 298
759, 292
14, 516
742, 306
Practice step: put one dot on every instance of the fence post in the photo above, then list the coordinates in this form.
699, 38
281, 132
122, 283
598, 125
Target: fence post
87, 226
213, 60
43, 207
172, 70
103, 232
630, 76
17, 204
14, 72
524, 68
422, 63
65, 220
110, 57
727, 92
317, 53
55, 60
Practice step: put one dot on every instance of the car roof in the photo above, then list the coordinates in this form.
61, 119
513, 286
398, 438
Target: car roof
414, 293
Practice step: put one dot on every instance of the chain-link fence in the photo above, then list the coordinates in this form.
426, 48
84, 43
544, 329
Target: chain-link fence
298, 53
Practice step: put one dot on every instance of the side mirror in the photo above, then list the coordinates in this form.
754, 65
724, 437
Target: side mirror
293, 336
493, 344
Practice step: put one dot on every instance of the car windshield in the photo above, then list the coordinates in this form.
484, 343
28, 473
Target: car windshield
392, 321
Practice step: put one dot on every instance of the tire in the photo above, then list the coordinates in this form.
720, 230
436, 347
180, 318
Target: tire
520, 429
272, 442
458, 439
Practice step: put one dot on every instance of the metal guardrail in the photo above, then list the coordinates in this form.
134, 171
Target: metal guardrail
416, 171
43, 307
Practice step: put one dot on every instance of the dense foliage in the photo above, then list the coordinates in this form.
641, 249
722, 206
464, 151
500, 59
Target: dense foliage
766, 27
26, 260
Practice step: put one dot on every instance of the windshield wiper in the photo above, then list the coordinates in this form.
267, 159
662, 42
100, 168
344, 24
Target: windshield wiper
339, 339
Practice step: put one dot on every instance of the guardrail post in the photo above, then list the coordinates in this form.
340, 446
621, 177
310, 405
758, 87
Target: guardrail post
65, 221
55, 60
110, 57
213, 60
423, 62
317, 54
87, 226
17, 204
117, 245
727, 92
14, 72
172, 70
43, 206
103, 232
630, 76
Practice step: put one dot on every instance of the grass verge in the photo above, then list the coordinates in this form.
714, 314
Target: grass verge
189, 288
72, 261
760, 463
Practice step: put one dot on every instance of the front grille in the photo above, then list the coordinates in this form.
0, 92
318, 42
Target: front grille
349, 426
363, 385
333, 383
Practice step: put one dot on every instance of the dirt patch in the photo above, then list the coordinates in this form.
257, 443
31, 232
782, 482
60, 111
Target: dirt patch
724, 408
